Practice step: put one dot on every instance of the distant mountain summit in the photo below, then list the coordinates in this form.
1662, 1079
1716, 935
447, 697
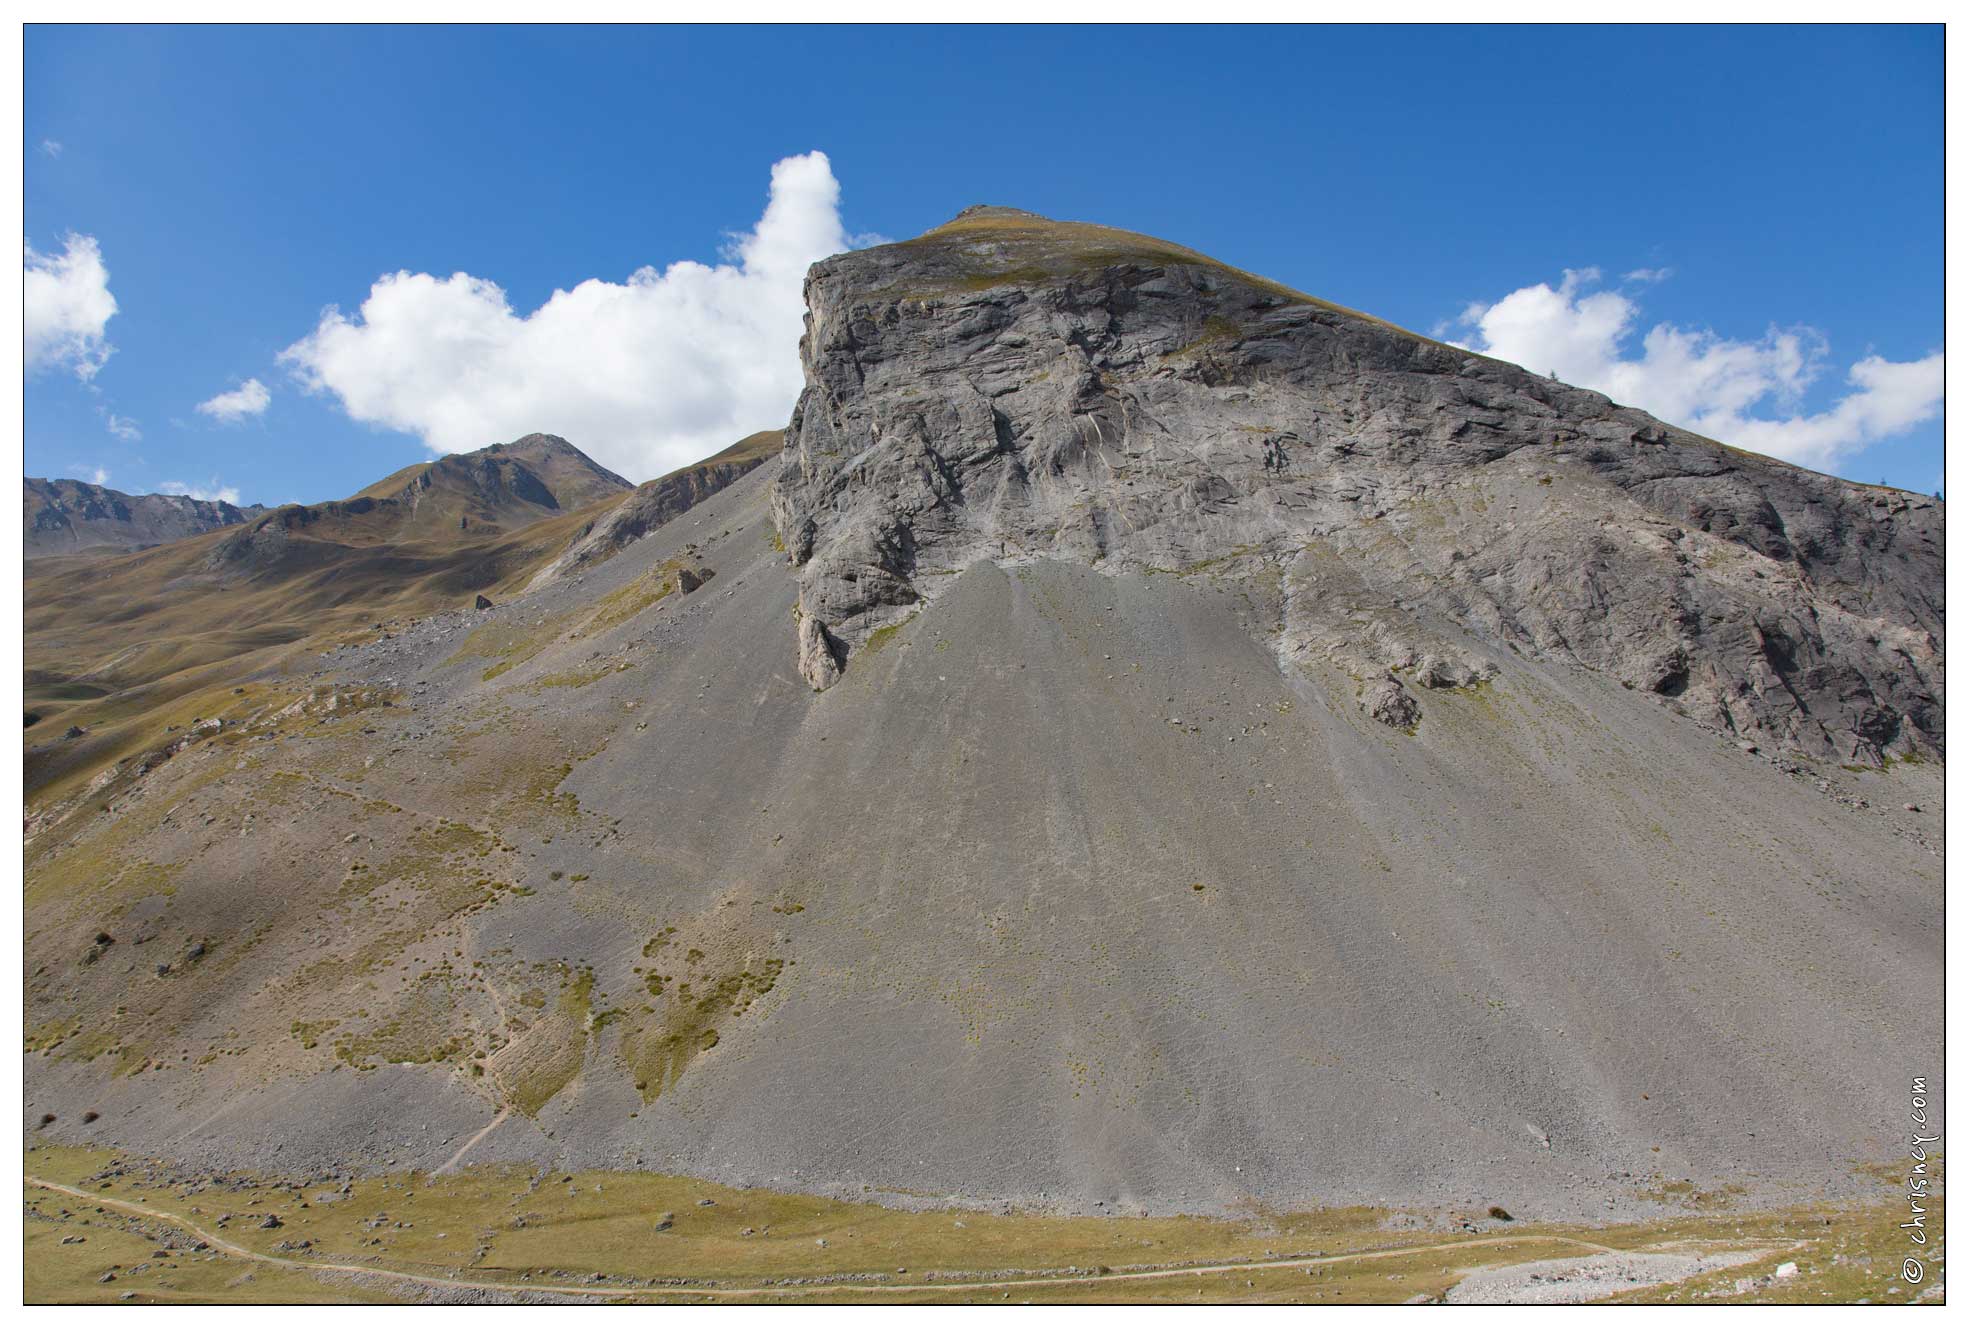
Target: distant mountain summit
75, 517
503, 485
463, 497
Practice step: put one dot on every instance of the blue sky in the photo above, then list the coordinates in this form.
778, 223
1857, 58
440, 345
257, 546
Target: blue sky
1746, 214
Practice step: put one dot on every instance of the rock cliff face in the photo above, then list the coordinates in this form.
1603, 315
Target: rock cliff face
1011, 388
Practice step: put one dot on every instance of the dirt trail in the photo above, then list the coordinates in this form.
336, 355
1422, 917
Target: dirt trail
466, 1147
219, 1243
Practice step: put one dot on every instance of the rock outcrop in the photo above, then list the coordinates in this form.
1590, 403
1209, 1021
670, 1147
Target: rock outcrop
1011, 388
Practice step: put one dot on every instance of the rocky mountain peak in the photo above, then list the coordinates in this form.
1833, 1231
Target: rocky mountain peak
540, 470
535, 442
1401, 515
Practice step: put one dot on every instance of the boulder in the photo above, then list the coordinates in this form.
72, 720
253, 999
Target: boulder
1388, 701
820, 655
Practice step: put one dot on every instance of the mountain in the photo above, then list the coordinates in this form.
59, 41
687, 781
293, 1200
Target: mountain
457, 499
507, 484
1149, 740
1068, 390
72, 517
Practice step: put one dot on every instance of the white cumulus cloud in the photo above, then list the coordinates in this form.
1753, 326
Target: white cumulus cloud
66, 307
644, 375
1744, 393
51, 146
243, 402
213, 492
95, 475
122, 427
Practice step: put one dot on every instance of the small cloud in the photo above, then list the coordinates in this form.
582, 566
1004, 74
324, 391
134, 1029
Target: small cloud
121, 427
1649, 276
66, 307
243, 402
209, 493
51, 146
95, 475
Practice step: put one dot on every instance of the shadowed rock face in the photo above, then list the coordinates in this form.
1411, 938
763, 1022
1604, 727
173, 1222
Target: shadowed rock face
1012, 388
656, 502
